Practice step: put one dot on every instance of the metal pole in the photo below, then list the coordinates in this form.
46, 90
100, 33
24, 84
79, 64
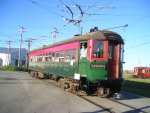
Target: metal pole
9, 59
28, 50
19, 57
27, 61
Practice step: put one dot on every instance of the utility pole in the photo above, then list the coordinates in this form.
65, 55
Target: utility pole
8, 57
21, 32
29, 40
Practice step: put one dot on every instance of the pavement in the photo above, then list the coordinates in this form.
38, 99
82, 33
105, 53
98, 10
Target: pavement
20, 93
137, 101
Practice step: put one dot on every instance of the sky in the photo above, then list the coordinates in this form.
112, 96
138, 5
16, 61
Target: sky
40, 17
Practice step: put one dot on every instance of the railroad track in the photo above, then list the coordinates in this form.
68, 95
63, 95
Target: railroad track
137, 109
107, 104
114, 105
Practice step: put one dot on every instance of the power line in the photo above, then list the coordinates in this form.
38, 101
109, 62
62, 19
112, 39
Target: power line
92, 5
54, 34
105, 6
36, 3
137, 45
138, 37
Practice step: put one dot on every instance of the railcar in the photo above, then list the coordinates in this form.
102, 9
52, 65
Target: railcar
142, 72
98, 73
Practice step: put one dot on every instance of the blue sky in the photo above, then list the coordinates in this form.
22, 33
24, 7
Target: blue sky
39, 18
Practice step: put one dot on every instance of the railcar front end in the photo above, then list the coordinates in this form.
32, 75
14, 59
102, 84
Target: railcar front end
103, 66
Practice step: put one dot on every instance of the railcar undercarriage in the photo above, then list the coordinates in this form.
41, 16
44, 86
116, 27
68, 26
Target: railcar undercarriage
76, 86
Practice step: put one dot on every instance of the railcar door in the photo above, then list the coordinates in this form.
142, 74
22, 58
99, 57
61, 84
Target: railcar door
83, 59
113, 59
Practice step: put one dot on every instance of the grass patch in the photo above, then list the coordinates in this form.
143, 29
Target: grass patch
137, 86
12, 68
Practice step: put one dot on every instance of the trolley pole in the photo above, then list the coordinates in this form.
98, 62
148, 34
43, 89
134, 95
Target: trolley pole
21, 32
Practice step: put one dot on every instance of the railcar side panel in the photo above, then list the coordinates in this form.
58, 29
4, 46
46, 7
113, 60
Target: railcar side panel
56, 68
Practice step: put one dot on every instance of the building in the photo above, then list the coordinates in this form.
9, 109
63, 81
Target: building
10, 57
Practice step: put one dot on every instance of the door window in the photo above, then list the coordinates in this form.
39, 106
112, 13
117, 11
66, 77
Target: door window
83, 50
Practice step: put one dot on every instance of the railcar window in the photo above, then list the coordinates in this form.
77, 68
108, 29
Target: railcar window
53, 56
61, 53
73, 53
143, 71
57, 57
49, 54
98, 50
31, 58
36, 58
134, 70
48, 57
110, 51
43, 57
61, 56
67, 56
122, 54
39, 59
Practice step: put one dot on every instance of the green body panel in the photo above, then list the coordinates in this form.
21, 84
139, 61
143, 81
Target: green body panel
85, 69
94, 70
83, 66
56, 68
97, 73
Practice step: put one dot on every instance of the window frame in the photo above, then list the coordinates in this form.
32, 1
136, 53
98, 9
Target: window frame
91, 48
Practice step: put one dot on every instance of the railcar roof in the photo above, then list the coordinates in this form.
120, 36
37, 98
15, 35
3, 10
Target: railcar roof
100, 34
141, 67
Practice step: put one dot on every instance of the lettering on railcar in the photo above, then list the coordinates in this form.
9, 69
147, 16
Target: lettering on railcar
97, 66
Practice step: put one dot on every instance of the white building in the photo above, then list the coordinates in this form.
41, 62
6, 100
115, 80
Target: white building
11, 59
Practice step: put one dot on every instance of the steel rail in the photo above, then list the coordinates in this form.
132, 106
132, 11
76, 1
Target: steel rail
137, 109
98, 105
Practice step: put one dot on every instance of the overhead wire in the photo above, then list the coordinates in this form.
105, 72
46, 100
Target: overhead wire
137, 45
83, 11
92, 5
134, 38
36, 3
100, 8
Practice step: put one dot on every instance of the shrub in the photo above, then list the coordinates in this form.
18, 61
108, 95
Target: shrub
12, 68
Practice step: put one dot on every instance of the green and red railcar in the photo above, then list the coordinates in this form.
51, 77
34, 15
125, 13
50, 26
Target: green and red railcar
98, 72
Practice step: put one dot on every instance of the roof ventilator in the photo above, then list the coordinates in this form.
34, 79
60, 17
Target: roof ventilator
94, 29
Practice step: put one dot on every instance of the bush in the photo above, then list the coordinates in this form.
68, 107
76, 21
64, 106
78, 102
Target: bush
12, 68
